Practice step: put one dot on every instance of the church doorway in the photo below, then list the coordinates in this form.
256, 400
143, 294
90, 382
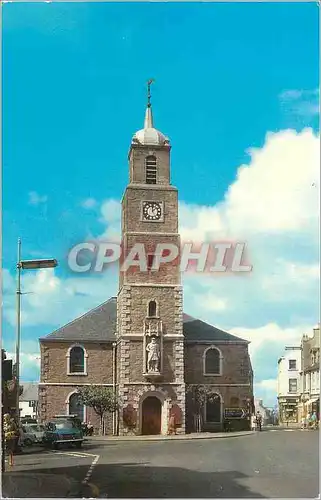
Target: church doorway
151, 416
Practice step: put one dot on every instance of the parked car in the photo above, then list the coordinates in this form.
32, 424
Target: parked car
72, 417
37, 430
61, 431
27, 437
28, 420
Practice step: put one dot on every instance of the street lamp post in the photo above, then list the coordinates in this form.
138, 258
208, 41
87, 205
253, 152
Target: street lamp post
25, 264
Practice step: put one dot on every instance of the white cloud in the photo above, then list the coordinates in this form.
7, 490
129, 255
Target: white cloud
266, 390
211, 302
271, 333
53, 301
36, 199
29, 359
269, 384
111, 217
89, 203
276, 192
302, 103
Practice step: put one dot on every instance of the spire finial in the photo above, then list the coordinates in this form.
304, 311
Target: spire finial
148, 92
148, 115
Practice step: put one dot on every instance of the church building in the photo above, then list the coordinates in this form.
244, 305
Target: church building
141, 344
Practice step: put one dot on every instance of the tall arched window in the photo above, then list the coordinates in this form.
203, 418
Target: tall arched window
151, 170
77, 360
212, 361
152, 308
213, 413
76, 407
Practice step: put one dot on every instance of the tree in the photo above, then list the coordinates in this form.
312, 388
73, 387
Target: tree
198, 395
101, 399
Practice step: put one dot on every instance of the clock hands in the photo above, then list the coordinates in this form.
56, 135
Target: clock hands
152, 211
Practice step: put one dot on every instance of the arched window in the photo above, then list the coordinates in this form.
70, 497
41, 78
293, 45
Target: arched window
212, 361
77, 360
213, 413
76, 407
152, 308
151, 170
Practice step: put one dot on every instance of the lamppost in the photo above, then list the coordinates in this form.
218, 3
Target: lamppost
25, 264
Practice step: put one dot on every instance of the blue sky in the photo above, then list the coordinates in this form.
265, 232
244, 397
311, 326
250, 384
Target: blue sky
226, 75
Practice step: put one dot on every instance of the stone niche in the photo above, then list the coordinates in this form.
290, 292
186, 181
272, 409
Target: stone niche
153, 349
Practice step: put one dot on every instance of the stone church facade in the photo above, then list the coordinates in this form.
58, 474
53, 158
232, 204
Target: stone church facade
140, 343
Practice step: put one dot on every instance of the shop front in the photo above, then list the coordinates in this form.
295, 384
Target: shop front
288, 411
313, 405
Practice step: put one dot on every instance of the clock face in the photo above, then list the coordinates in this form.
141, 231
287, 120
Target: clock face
152, 211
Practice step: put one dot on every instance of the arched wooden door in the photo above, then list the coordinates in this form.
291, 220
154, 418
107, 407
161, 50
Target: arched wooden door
151, 416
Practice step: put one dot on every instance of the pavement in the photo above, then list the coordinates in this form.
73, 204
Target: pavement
173, 437
256, 465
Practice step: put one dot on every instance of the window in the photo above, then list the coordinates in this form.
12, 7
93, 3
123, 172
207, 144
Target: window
293, 385
151, 170
152, 309
77, 360
292, 364
212, 361
213, 409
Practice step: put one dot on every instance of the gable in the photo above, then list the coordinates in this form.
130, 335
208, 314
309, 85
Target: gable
30, 392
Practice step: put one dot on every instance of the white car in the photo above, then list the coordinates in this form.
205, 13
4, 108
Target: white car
27, 437
36, 430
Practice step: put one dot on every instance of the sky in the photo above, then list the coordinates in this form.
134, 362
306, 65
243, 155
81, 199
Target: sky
236, 90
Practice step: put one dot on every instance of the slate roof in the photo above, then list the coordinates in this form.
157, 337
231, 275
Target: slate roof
197, 330
99, 325
30, 392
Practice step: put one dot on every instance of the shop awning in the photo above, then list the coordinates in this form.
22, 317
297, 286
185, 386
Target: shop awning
311, 401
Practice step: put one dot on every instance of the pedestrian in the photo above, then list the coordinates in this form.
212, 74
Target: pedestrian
259, 421
308, 421
303, 423
11, 436
253, 422
314, 420
90, 429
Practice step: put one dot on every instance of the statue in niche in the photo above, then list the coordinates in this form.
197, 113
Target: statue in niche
153, 356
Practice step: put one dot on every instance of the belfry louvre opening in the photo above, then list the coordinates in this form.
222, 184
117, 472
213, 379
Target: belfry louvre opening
151, 170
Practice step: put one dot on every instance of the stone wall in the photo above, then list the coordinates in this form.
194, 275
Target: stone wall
53, 397
234, 385
235, 364
137, 158
53, 400
54, 363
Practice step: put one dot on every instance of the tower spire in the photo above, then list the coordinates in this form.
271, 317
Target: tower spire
149, 114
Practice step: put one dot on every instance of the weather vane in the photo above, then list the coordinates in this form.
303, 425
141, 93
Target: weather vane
148, 91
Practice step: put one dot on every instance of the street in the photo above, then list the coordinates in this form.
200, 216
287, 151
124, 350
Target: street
270, 464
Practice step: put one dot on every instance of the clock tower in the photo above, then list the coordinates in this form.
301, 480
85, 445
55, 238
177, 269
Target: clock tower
150, 347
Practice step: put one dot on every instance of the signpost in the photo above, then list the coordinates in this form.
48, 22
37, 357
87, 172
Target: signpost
230, 413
